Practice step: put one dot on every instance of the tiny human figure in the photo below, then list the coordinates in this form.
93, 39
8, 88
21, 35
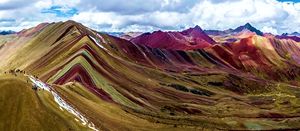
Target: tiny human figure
34, 87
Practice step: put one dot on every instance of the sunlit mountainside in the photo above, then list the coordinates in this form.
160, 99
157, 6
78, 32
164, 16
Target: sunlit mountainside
65, 76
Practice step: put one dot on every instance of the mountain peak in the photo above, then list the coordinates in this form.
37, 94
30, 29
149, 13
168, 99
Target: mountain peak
295, 34
197, 27
249, 27
70, 21
73, 23
192, 38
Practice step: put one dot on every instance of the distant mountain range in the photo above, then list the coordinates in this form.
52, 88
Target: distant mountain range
291, 37
291, 34
295, 34
185, 40
247, 26
117, 34
193, 38
7, 32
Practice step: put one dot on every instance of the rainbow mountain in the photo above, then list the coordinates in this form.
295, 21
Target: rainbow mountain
65, 76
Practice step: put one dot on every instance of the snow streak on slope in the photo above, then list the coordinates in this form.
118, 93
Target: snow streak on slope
97, 43
62, 103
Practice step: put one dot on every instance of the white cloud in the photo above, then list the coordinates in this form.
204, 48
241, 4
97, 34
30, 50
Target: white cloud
232, 14
209, 14
118, 15
112, 21
136, 6
267, 29
30, 15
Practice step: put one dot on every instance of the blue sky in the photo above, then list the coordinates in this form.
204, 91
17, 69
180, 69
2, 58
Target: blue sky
59, 11
137, 15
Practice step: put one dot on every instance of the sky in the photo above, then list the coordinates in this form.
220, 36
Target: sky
272, 16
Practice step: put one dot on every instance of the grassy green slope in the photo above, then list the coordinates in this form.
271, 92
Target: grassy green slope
22, 108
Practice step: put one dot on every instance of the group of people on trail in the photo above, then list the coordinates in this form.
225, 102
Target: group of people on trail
18, 71
15, 72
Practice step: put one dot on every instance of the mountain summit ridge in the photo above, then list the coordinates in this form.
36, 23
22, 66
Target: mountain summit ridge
249, 27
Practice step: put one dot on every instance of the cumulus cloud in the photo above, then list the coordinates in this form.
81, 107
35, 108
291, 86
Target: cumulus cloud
230, 14
30, 14
209, 14
115, 21
14, 4
268, 29
139, 15
136, 6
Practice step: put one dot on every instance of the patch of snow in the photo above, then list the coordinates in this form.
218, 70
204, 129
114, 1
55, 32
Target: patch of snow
92, 126
97, 43
39, 84
101, 38
63, 104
